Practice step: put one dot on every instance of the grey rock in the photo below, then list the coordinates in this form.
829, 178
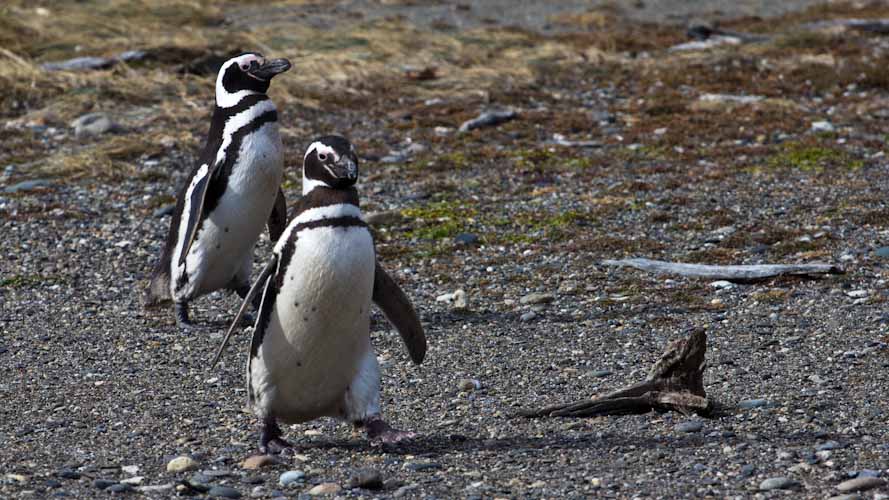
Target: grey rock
290, 477
601, 373
823, 126
200, 478
537, 298
366, 478
693, 426
27, 185
384, 218
753, 403
164, 210
120, 488
882, 252
224, 492
132, 55
528, 316
488, 119
68, 474
466, 239
103, 483
830, 445
747, 470
868, 473
778, 483
422, 466
861, 484
93, 124
405, 490
469, 384
52, 483
79, 64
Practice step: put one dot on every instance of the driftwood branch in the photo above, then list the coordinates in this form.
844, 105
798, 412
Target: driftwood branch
739, 274
675, 383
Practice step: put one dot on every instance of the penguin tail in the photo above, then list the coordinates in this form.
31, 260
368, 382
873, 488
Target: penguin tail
158, 291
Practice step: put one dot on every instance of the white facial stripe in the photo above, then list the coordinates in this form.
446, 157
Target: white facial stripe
323, 149
328, 212
242, 119
225, 99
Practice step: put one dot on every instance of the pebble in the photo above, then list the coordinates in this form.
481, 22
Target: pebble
861, 484
405, 490
601, 373
133, 481
291, 477
421, 466
747, 470
164, 210
103, 483
693, 426
325, 489
537, 298
488, 119
753, 403
778, 483
156, 488
366, 478
182, 464
224, 492
823, 126
130, 469
258, 461
722, 284
384, 218
882, 252
528, 316
52, 483
79, 64
469, 384
68, 474
830, 445
467, 239
120, 488
27, 185
457, 299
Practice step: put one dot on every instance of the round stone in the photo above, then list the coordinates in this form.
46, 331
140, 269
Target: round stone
103, 483
778, 483
182, 464
325, 489
693, 426
291, 477
224, 492
259, 461
862, 483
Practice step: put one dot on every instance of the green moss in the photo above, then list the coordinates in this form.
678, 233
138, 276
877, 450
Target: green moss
812, 158
442, 219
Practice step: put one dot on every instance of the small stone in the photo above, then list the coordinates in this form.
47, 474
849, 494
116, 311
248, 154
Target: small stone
537, 298
882, 252
488, 119
68, 474
405, 490
778, 483
164, 210
466, 239
384, 218
325, 489
200, 478
259, 461
103, 483
753, 403
861, 484
830, 445
182, 464
133, 481
456, 299
421, 466
224, 492
130, 469
689, 427
469, 384
366, 478
156, 488
52, 483
601, 373
93, 124
120, 488
747, 470
823, 126
528, 316
722, 284
290, 477
79, 64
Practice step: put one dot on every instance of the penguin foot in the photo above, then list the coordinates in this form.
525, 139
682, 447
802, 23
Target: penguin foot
270, 442
379, 432
248, 319
182, 316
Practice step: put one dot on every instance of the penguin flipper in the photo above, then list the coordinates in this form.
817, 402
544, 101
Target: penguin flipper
278, 219
397, 308
248, 299
195, 196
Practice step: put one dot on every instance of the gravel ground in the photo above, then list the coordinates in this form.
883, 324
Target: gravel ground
100, 395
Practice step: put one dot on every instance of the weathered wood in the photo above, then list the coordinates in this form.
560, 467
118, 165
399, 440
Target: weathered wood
738, 273
674, 383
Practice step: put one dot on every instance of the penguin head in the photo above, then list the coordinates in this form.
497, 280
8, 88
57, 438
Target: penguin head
330, 162
248, 73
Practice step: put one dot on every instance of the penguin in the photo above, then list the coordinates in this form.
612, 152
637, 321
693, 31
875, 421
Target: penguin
310, 354
231, 193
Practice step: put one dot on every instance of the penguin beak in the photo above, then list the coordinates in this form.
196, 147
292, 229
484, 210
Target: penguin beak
269, 68
346, 168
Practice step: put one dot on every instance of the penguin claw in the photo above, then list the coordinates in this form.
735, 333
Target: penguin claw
381, 433
277, 446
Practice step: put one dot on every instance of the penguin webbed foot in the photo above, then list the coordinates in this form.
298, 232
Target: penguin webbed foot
381, 433
270, 442
182, 318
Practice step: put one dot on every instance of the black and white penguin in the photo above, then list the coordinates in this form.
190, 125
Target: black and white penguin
311, 355
233, 191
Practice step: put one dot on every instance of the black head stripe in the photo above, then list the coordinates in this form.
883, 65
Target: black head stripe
321, 165
235, 79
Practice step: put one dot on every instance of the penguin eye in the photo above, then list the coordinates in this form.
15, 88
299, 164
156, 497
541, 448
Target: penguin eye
322, 156
245, 67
